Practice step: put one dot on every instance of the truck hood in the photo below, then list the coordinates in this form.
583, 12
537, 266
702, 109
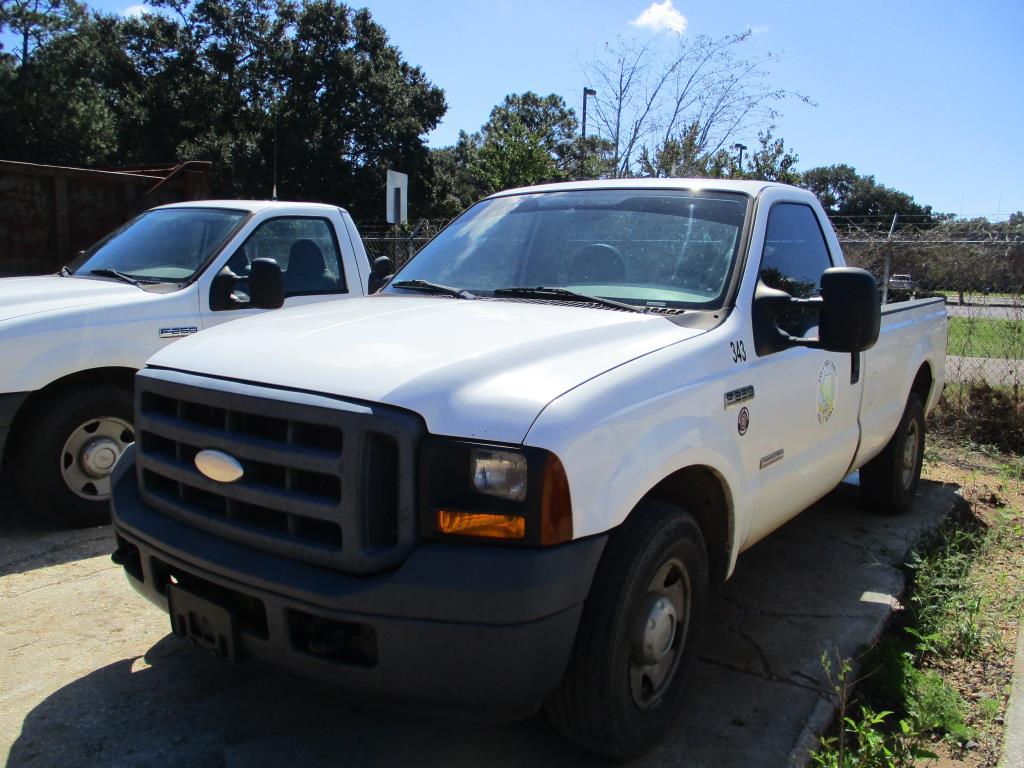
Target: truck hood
482, 369
20, 296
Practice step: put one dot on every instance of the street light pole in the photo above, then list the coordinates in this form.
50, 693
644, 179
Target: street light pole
740, 147
586, 92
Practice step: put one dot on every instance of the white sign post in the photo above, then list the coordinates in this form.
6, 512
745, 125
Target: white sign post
397, 201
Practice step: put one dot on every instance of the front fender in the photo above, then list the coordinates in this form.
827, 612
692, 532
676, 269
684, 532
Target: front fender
622, 433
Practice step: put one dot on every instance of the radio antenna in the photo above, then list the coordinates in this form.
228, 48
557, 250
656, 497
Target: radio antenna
273, 191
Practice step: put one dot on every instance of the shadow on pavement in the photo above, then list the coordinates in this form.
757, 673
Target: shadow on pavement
27, 543
826, 582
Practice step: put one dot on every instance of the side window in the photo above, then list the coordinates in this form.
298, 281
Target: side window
306, 250
795, 255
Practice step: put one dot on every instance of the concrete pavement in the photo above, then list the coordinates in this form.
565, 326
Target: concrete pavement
89, 674
1013, 735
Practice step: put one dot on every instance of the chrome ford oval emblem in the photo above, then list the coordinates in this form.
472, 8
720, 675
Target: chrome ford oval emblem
219, 466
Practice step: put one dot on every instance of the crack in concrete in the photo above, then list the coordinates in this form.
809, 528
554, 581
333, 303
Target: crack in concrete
82, 577
742, 671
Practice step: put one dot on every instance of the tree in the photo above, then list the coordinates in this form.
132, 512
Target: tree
695, 97
66, 103
230, 81
682, 157
771, 161
35, 22
528, 139
844, 192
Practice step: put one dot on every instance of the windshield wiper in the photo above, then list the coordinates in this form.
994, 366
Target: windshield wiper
121, 276
428, 287
545, 292
64, 272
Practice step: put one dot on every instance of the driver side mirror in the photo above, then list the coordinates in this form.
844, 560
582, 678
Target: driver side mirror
222, 288
850, 314
381, 271
266, 284
851, 310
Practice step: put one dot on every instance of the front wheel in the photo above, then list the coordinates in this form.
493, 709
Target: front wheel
889, 481
67, 450
637, 636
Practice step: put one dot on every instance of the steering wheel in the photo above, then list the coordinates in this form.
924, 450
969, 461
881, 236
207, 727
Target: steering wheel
597, 262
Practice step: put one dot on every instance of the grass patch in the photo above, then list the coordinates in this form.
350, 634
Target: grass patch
970, 296
998, 338
937, 682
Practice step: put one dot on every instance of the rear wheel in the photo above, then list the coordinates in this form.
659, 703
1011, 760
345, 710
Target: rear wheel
66, 451
889, 481
638, 635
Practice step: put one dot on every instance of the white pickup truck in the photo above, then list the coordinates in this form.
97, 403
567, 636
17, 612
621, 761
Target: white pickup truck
70, 344
512, 477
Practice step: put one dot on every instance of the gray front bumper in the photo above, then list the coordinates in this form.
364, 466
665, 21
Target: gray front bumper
472, 630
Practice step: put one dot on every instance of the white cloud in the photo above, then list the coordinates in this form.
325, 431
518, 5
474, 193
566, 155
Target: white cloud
661, 17
757, 29
139, 9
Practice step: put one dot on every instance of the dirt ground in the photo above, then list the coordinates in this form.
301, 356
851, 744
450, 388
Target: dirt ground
993, 486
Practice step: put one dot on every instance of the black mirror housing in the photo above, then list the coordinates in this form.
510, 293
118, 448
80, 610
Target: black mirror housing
266, 284
769, 303
223, 285
851, 312
849, 319
380, 271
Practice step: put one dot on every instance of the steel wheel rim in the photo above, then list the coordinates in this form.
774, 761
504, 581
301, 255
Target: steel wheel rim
911, 448
89, 455
657, 648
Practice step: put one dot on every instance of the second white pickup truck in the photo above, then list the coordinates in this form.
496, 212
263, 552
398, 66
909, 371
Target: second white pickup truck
70, 344
511, 478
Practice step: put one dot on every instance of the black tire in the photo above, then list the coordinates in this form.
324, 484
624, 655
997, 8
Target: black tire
41, 463
596, 705
889, 481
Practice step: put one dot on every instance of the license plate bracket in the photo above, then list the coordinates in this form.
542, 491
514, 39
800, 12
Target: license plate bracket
206, 624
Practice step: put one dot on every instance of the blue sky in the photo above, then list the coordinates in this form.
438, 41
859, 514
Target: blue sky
925, 96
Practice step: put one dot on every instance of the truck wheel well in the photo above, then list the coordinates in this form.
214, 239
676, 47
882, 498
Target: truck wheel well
922, 385
703, 493
123, 378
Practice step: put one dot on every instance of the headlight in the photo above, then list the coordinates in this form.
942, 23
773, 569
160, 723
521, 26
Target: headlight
499, 473
474, 491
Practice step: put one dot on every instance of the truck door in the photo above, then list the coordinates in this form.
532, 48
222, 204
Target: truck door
804, 429
311, 262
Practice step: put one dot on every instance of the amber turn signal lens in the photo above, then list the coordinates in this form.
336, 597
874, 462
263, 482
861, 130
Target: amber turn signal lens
480, 524
555, 505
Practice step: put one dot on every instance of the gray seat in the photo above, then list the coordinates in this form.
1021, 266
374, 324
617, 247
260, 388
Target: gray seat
307, 270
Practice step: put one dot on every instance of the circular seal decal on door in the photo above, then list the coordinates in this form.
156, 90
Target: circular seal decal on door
743, 421
828, 383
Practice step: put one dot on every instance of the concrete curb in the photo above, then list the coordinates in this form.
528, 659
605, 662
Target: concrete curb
1013, 735
823, 714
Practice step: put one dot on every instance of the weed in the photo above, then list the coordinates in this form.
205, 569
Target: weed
989, 708
946, 613
934, 706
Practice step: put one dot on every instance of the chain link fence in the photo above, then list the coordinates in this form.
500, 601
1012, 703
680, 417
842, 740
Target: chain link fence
977, 265
398, 243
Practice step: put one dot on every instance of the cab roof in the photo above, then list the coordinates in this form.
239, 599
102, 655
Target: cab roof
253, 206
751, 188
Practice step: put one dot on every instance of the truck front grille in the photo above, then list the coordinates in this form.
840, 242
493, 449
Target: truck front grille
325, 480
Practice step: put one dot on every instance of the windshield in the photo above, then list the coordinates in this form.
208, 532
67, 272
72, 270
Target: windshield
167, 245
658, 248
